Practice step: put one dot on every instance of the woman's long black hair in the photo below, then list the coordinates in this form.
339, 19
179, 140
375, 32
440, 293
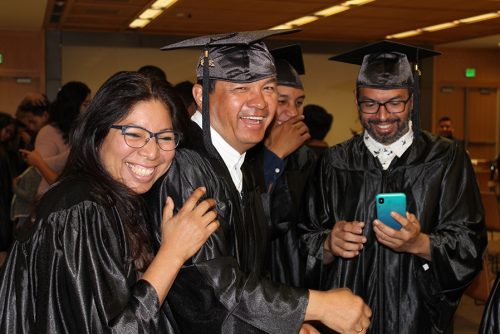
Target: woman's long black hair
113, 102
64, 111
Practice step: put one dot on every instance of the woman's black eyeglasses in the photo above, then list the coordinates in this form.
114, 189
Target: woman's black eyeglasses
136, 137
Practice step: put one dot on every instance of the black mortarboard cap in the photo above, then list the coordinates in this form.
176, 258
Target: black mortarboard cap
236, 57
289, 65
386, 65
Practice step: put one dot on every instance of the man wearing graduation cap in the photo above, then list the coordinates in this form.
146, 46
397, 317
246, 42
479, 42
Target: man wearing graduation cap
226, 287
412, 278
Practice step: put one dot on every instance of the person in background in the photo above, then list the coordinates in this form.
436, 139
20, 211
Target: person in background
185, 91
86, 264
288, 131
7, 173
318, 121
32, 114
226, 287
445, 127
155, 73
51, 144
412, 277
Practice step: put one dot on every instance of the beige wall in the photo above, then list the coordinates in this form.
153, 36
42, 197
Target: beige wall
327, 83
23, 67
475, 110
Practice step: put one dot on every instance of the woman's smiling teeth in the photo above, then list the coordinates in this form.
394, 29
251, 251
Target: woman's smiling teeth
140, 170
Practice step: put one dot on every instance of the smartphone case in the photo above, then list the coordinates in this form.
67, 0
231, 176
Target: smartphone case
386, 203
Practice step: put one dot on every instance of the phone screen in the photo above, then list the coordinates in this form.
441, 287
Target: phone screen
386, 203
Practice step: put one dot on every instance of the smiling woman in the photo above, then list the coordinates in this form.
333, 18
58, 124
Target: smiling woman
85, 263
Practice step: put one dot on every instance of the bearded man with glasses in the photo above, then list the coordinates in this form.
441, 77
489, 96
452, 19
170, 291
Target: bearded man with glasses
412, 277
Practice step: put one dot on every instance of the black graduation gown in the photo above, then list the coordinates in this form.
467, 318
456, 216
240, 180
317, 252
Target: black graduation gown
6, 176
225, 287
438, 180
284, 206
69, 273
490, 324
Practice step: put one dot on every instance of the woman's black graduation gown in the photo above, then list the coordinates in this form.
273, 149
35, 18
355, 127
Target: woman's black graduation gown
406, 293
70, 273
225, 288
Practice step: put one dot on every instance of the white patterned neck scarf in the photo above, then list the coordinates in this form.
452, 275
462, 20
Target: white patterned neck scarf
386, 153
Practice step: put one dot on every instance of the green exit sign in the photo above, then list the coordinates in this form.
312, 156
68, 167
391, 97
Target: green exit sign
470, 72
1, 58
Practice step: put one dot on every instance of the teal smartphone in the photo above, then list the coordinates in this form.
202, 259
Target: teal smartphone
386, 203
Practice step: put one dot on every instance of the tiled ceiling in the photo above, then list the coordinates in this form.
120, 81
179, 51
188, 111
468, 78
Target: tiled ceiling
366, 23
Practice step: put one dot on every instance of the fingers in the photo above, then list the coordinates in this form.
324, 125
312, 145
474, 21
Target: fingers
347, 239
202, 210
205, 205
400, 219
213, 226
308, 329
193, 200
168, 209
364, 320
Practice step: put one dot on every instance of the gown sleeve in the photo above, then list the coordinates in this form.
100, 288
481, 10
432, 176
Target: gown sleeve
458, 238
316, 227
72, 275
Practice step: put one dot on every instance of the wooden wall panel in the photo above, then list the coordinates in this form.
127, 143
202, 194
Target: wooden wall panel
450, 102
481, 124
482, 120
23, 67
450, 67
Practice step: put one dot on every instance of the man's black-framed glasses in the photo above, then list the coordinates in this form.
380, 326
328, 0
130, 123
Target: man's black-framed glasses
136, 137
393, 106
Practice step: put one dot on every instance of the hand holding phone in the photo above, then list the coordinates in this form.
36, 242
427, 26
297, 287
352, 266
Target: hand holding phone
388, 202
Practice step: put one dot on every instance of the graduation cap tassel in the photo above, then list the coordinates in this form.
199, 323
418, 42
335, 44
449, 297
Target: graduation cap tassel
416, 101
207, 139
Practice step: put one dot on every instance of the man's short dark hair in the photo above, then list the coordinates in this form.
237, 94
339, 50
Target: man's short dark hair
153, 72
318, 120
444, 119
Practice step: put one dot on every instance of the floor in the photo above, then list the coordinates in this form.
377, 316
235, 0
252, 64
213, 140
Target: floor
469, 312
468, 316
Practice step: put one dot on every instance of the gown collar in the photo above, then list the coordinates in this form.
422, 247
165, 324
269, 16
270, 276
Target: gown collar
386, 153
231, 157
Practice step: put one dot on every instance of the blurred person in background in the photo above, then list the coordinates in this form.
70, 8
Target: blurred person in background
51, 144
7, 173
319, 121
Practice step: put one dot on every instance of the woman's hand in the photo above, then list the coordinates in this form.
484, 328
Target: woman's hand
32, 158
181, 236
184, 233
